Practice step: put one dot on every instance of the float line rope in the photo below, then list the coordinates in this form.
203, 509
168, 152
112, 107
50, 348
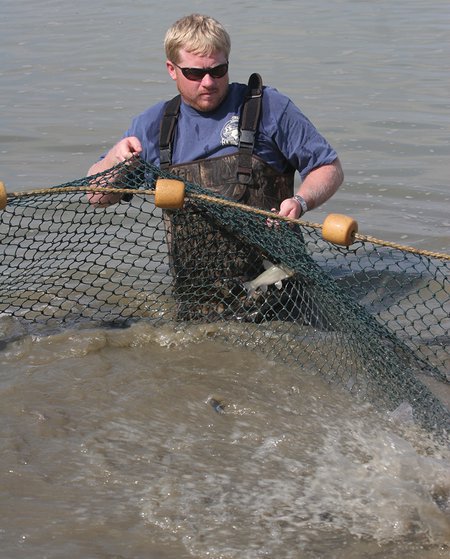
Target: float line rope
249, 209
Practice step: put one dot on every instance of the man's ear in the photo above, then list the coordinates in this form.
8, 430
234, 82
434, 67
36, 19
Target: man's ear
171, 69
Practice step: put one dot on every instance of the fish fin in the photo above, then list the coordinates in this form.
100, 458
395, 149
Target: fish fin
248, 287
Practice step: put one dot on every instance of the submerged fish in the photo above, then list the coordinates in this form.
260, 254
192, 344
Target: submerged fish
273, 274
217, 405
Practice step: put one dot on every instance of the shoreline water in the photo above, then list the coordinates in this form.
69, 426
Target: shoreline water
109, 446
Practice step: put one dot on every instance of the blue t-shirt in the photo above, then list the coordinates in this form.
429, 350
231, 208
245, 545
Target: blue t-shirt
286, 139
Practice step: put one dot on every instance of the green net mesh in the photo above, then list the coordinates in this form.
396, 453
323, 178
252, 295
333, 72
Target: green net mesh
371, 318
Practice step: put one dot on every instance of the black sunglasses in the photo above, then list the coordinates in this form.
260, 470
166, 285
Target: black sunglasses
197, 74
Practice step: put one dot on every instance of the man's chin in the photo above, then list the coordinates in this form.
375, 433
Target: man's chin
208, 103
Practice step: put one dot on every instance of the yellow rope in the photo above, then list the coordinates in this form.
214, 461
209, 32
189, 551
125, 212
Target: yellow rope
230, 203
357, 236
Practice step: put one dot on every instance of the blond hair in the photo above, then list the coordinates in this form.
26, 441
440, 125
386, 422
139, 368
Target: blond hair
197, 34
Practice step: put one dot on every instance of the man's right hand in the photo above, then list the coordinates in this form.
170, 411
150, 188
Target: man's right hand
123, 151
120, 152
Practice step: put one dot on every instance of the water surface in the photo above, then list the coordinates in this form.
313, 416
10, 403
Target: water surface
109, 447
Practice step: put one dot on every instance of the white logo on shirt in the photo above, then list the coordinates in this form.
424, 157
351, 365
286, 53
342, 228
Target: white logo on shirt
230, 132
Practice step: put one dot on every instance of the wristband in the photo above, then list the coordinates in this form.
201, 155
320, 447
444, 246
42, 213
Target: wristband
302, 202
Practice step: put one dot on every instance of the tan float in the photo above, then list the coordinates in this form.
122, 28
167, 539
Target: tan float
339, 229
3, 197
169, 194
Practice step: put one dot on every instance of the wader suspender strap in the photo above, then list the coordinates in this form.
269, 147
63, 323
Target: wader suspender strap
168, 124
248, 126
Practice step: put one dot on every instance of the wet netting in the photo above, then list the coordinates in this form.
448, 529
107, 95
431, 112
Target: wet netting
372, 317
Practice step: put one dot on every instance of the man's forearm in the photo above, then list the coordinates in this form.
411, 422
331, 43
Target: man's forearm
99, 167
321, 184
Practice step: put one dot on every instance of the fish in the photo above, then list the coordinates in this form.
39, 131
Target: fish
273, 274
217, 405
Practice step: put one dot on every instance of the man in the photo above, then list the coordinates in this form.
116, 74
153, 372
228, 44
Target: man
241, 141
205, 132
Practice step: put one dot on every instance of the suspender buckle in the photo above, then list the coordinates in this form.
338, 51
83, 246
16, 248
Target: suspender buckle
247, 138
165, 156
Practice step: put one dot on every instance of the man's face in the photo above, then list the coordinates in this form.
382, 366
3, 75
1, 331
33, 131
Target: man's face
207, 93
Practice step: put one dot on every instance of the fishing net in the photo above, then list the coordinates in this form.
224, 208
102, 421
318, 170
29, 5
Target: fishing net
372, 317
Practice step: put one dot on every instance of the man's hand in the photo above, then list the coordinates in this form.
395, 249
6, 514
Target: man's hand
290, 208
125, 150
120, 152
